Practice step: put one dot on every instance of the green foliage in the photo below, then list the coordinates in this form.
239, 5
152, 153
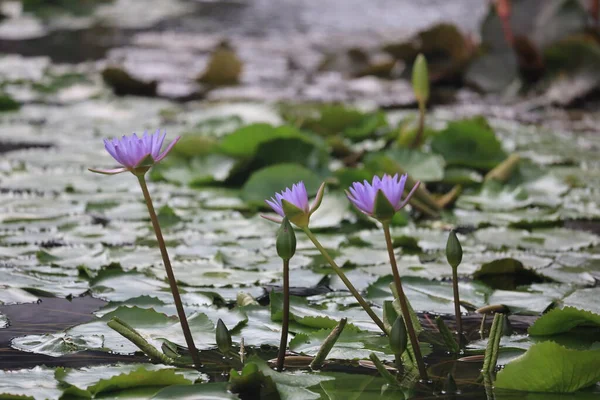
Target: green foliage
469, 143
561, 320
551, 368
424, 167
48, 8
7, 103
264, 183
341, 120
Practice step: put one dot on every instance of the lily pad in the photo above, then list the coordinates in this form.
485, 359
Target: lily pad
57, 344
352, 344
469, 143
584, 299
245, 142
152, 325
205, 391
549, 367
551, 240
34, 383
264, 183
494, 196
561, 320
424, 167
506, 273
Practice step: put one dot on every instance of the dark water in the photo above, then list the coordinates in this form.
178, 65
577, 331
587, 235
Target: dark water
51, 315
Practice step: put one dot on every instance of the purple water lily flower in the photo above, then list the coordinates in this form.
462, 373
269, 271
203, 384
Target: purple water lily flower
363, 195
131, 151
297, 197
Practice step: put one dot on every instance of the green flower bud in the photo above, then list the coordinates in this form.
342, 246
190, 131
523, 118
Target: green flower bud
286, 240
223, 338
420, 79
398, 336
450, 385
453, 250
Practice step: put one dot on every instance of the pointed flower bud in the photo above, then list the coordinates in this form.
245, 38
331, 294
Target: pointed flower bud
293, 203
420, 79
398, 336
223, 338
382, 198
450, 385
286, 240
453, 250
136, 154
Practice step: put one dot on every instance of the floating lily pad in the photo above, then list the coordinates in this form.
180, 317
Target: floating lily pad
469, 143
293, 386
494, 196
57, 344
152, 325
533, 300
205, 391
564, 319
549, 367
552, 240
34, 383
584, 299
507, 273
424, 167
352, 344
264, 183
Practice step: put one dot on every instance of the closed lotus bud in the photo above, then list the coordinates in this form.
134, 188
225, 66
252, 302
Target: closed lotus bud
453, 250
398, 336
420, 79
286, 240
223, 338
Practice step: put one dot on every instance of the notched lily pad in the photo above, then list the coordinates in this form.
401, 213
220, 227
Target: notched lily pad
561, 320
57, 344
352, 344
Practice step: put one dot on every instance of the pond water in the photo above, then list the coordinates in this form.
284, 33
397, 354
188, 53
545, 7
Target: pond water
77, 248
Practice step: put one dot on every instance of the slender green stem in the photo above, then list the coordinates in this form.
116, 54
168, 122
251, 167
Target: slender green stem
344, 279
459, 330
171, 276
327, 345
133, 336
286, 315
404, 305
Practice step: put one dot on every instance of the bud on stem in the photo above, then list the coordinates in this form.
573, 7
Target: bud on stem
453, 250
223, 338
286, 240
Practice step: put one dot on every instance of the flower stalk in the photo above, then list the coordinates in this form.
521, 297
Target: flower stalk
170, 275
286, 248
285, 323
454, 257
345, 279
403, 303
